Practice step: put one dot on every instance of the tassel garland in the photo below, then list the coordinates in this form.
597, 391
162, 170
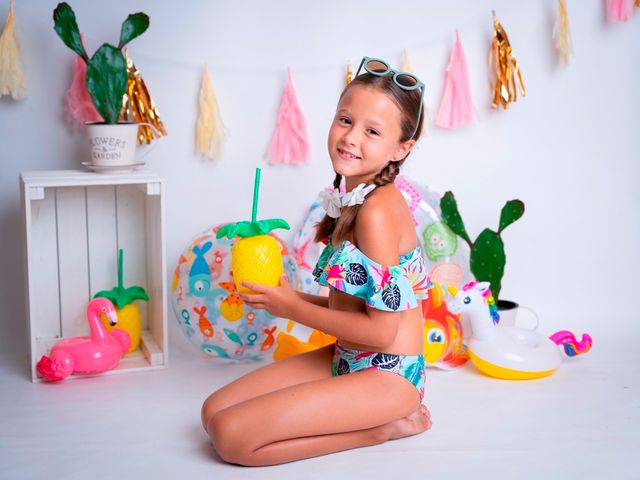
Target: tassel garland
507, 71
562, 34
349, 75
138, 106
210, 131
290, 142
619, 10
12, 77
456, 108
406, 63
79, 105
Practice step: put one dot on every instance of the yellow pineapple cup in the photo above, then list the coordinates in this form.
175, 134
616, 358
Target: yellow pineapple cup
129, 318
256, 257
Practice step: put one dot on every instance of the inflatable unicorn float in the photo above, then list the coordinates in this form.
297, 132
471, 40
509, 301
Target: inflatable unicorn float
509, 352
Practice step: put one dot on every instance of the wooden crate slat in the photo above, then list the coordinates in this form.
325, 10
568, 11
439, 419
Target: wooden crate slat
43, 264
73, 258
103, 241
155, 268
132, 238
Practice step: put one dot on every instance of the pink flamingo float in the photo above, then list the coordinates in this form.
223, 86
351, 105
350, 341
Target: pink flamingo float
94, 354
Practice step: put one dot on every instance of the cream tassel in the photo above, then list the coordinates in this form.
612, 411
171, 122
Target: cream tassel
406, 63
562, 34
210, 131
12, 78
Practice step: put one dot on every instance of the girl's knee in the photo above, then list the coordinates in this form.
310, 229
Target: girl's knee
228, 438
210, 407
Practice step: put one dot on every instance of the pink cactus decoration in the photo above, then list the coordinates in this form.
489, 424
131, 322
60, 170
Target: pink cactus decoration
289, 144
456, 108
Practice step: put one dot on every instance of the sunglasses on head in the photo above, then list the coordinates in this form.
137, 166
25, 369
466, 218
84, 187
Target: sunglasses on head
404, 80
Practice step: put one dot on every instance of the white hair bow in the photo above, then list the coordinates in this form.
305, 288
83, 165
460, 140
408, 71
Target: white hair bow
333, 201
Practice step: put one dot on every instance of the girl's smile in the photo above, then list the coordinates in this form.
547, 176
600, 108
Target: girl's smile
347, 156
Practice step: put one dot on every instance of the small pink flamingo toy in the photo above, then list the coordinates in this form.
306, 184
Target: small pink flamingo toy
94, 354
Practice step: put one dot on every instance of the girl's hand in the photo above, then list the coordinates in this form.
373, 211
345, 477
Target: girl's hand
278, 301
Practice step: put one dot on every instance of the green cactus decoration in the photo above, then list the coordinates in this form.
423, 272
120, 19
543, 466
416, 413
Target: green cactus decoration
487, 252
107, 68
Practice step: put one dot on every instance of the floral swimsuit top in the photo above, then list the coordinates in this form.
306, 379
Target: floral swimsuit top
390, 288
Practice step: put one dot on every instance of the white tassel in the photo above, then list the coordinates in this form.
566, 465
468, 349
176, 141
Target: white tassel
210, 131
12, 77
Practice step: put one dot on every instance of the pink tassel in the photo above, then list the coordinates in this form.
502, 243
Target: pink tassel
80, 107
456, 108
290, 142
619, 10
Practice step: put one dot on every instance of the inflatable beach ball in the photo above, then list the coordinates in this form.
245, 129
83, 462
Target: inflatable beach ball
209, 310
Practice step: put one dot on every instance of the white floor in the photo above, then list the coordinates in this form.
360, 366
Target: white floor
582, 422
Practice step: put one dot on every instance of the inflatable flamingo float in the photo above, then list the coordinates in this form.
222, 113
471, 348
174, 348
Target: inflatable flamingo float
94, 354
508, 352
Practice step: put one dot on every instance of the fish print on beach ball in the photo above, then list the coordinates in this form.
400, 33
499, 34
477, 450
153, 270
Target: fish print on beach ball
209, 309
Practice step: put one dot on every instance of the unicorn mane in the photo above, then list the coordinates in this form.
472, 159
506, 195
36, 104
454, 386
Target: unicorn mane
488, 300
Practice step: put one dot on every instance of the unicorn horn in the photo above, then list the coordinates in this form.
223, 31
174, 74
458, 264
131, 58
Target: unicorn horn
452, 290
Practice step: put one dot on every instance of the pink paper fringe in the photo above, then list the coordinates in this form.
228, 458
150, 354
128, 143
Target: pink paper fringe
80, 108
289, 144
619, 10
456, 108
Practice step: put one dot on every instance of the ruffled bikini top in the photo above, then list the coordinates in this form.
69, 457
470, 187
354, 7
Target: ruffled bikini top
390, 288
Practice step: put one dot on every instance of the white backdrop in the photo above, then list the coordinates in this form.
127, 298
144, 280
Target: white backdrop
570, 150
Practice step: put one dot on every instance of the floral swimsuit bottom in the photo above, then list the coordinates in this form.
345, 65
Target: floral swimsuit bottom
389, 288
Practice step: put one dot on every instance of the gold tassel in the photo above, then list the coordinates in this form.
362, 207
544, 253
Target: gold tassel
562, 33
210, 131
506, 68
349, 75
138, 106
12, 77
406, 64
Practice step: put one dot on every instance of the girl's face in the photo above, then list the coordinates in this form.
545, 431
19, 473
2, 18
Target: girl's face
365, 135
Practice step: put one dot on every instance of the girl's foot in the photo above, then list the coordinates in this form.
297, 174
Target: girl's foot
418, 422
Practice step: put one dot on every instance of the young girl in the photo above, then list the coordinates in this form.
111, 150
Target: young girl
367, 387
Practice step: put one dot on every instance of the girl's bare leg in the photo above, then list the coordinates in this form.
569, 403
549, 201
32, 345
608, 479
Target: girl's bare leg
318, 417
306, 367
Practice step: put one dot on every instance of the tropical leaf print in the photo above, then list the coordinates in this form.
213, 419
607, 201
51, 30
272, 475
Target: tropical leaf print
391, 297
395, 272
414, 372
385, 361
357, 274
343, 367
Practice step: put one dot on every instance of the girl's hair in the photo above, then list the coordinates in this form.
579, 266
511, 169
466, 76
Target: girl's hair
408, 101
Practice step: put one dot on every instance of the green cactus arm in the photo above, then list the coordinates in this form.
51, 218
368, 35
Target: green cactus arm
107, 81
251, 229
512, 211
451, 216
134, 26
487, 260
66, 26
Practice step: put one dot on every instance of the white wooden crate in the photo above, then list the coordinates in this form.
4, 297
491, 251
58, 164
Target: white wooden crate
74, 224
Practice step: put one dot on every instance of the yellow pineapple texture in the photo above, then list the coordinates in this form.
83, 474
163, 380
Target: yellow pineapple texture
257, 260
